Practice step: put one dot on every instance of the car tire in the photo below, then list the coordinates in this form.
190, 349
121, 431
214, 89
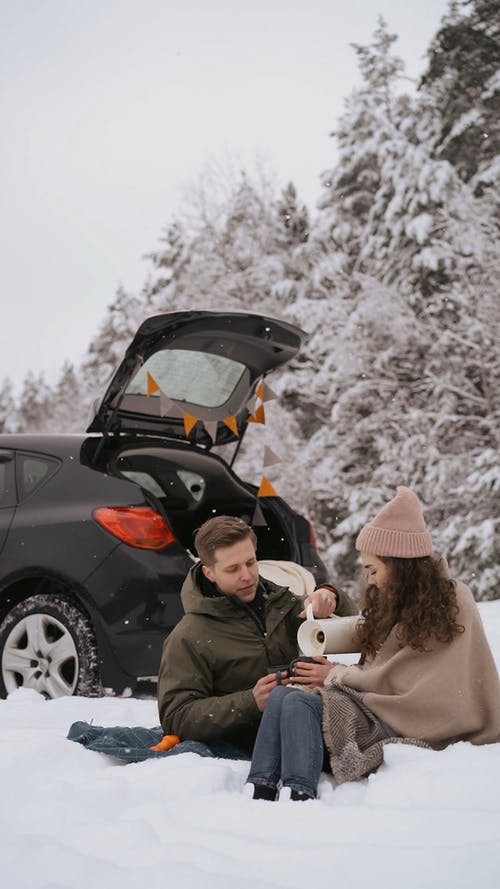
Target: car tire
47, 644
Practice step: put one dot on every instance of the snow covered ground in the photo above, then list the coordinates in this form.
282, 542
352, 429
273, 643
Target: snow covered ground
72, 819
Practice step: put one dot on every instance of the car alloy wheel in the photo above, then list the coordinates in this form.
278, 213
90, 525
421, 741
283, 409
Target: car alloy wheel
47, 644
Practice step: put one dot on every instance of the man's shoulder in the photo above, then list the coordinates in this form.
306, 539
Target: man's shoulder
184, 627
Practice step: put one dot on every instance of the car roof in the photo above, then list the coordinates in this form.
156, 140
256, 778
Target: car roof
50, 443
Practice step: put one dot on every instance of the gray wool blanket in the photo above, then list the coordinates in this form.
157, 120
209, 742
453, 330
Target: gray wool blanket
133, 743
354, 736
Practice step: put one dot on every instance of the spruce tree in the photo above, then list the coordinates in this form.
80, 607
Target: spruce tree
8, 417
292, 218
400, 366
169, 261
35, 405
67, 412
372, 117
123, 317
462, 80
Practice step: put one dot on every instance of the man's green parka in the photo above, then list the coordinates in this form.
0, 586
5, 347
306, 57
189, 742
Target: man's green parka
215, 655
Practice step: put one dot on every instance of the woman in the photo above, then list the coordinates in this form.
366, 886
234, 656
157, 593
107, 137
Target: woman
426, 674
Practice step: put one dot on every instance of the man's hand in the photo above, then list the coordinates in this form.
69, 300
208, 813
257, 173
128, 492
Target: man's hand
311, 675
263, 688
324, 603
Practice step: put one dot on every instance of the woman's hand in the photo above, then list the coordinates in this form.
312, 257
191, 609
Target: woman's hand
323, 601
311, 675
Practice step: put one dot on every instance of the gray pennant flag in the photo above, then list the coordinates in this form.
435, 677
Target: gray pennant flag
211, 427
270, 458
268, 393
167, 407
258, 517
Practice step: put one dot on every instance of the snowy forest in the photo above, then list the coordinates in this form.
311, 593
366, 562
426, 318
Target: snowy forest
394, 276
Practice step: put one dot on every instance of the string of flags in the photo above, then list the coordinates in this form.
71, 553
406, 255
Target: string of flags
255, 406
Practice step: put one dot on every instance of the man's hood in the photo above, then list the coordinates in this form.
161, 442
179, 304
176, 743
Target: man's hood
194, 602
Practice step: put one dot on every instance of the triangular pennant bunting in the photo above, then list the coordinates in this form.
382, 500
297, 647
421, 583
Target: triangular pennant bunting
270, 458
211, 427
168, 408
260, 390
266, 489
152, 385
251, 404
259, 416
189, 422
232, 424
258, 517
267, 393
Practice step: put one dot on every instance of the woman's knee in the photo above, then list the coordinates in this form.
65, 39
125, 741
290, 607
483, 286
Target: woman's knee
301, 701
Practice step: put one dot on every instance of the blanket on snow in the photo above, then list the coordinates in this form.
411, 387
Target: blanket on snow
132, 744
353, 735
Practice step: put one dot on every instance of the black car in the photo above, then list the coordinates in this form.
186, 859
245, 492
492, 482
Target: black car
96, 529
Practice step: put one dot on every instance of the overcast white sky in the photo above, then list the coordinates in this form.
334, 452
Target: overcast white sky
109, 108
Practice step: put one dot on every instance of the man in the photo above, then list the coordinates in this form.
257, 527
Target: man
216, 671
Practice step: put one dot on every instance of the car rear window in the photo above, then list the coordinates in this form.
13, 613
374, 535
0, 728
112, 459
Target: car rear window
199, 378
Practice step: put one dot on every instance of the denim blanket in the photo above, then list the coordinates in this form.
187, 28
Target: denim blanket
132, 744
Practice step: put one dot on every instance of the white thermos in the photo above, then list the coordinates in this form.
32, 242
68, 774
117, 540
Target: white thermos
330, 635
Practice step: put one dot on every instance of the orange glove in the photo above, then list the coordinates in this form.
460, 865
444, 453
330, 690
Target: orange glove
166, 743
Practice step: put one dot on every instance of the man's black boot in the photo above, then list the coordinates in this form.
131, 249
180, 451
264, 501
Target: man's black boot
260, 791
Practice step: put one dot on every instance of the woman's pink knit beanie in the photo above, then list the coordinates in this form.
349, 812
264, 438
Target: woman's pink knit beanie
398, 530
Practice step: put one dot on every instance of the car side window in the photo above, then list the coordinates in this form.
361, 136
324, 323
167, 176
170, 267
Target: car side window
32, 471
7, 479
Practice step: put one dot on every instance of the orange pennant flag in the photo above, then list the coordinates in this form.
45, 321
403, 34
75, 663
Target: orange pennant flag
266, 489
259, 416
232, 424
189, 422
260, 390
152, 385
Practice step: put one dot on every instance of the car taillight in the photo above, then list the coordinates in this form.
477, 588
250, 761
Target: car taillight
138, 526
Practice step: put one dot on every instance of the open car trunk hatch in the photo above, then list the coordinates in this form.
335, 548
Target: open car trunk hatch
193, 375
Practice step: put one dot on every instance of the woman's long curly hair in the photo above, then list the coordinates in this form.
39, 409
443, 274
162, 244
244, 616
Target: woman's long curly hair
418, 598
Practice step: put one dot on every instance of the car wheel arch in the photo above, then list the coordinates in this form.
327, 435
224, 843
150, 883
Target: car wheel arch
31, 582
